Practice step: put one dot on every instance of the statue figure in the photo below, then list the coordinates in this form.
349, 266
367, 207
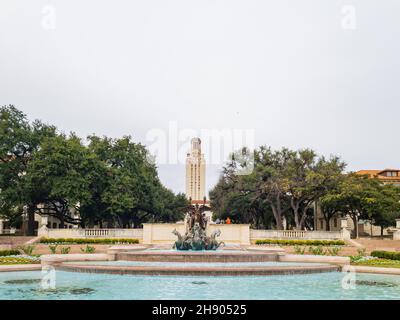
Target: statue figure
195, 237
212, 243
181, 243
197, 242
196, 215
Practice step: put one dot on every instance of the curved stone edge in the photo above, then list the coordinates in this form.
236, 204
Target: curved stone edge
206, 271
377, 270
197, 257
337, 260
278, 250
50, 259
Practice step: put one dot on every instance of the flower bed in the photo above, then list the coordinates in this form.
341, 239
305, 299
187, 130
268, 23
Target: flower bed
377, 262
19, 260
88, 241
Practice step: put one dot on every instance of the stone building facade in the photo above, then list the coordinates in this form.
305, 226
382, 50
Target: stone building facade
195, 171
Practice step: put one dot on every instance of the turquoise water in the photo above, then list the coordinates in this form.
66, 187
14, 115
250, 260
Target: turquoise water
82, 286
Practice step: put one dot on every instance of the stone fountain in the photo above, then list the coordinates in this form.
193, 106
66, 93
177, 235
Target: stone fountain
195, 237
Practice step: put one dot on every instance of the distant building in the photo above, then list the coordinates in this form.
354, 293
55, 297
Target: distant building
196, 176
195, 172
386, 176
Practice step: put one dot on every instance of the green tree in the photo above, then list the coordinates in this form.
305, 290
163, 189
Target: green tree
382, 205
108, 180
56, 177
124, 186
284, 184
362, 197
308, 178
19, 139
249, 196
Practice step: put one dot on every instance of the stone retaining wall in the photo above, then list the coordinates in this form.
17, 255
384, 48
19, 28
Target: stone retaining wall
158, 233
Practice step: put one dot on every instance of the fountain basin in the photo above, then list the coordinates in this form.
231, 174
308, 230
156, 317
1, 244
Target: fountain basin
199, 270
199, 256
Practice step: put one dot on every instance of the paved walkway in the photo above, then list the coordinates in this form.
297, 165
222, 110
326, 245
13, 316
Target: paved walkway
365, 269
379, 244
354, 243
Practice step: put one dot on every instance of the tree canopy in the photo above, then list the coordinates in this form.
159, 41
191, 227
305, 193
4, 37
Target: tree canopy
286, 185
362, 197
96, 181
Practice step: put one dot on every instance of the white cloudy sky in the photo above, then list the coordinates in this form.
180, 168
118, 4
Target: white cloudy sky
286, 69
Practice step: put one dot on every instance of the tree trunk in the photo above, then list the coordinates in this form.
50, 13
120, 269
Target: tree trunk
295, 208
327, 220
31, 220
296, 221
62, 223
372, 230
278, 217
355, 222
303, 219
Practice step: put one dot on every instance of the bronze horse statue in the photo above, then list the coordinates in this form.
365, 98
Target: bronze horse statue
212, 243
195, 237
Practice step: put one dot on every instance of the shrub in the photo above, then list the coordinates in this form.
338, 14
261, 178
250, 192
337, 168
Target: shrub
318, 251
53, 248
88, 241
88, 249
361, 252
333, 251
4, 253
65, 250
290, 242
390, 255
27, 249
299, 250
377, 262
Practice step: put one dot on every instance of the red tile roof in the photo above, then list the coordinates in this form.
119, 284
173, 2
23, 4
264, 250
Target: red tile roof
379, 174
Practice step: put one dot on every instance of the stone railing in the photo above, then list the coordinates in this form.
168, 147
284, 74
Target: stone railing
111, 233
8, 231
90, 233
162, 233
154, 233
296, 234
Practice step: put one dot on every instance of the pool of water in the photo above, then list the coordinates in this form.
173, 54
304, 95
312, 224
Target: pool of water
193, 264
86, 286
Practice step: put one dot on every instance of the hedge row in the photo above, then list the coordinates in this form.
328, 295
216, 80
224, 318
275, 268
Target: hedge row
301, 242
88, 241
4, 253
391, 255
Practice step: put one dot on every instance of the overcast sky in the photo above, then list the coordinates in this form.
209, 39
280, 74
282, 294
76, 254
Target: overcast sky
300, 73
